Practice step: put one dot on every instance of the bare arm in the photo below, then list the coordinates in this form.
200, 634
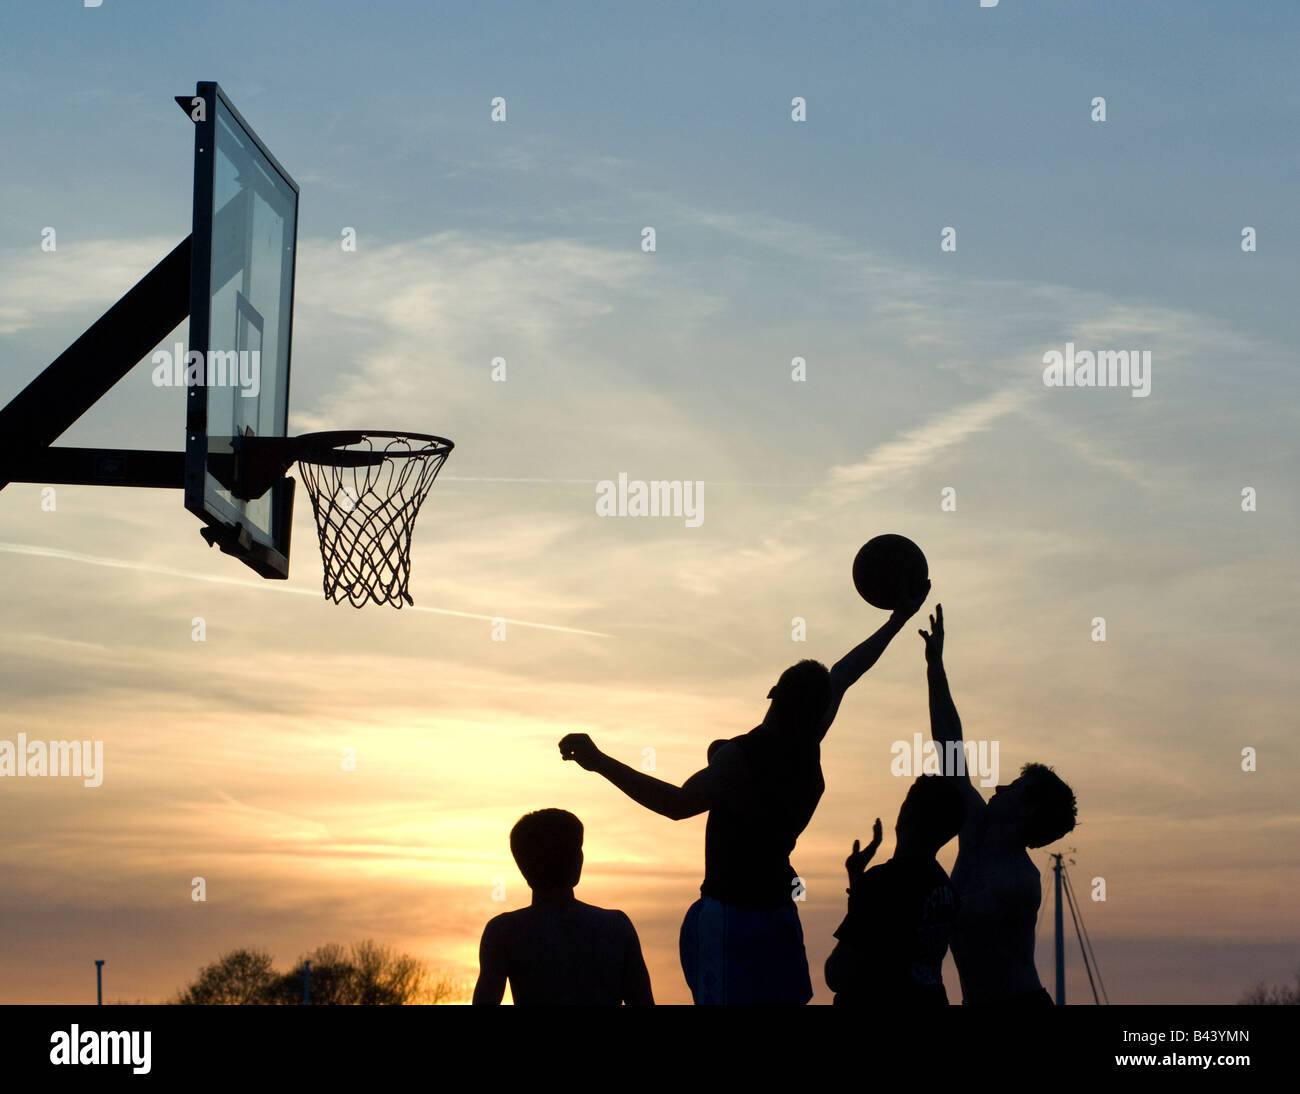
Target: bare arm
695, 796
636, 979
850, 668
861, 934
673, 802
945, 725
844, 967
491, 986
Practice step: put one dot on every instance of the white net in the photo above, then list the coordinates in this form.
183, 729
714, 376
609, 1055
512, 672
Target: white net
366, 490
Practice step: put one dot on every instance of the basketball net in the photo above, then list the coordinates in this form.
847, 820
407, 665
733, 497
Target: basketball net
365, 496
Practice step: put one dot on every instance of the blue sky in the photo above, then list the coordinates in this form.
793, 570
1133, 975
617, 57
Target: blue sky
920, 112
774, 239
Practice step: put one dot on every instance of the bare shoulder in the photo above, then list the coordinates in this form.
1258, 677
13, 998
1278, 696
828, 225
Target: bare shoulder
609, 921
729, 761
603, 915
506, 924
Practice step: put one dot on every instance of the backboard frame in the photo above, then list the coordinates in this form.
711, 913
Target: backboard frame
231, 535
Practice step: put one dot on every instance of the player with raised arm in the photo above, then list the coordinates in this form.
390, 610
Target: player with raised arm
890, 947
741, 942
996, 881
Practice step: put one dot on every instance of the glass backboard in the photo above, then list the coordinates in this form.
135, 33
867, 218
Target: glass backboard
241, 325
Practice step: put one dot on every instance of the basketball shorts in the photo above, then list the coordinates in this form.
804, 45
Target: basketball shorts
737, 956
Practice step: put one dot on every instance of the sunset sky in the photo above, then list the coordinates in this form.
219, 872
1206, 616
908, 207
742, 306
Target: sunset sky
775, 239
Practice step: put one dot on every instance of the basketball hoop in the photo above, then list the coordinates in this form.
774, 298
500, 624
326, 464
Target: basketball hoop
366, 489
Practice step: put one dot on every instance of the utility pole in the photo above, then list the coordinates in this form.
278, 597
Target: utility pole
1060, 937
99, 983
306, 983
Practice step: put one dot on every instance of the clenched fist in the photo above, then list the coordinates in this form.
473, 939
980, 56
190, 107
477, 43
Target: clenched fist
582, 749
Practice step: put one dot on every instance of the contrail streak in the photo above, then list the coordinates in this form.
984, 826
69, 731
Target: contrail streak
266, 586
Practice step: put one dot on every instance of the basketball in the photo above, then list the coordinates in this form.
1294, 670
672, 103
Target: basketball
889, 571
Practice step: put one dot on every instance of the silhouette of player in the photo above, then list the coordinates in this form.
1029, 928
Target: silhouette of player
892, 943
998, 884
741, 942
559, 950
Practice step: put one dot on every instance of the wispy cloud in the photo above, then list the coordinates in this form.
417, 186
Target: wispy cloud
915, 448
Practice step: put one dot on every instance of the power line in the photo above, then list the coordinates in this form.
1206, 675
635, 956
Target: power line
1085, 939
1078, 934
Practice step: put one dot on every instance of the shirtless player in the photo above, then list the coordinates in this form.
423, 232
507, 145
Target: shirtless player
741, 942
998, 884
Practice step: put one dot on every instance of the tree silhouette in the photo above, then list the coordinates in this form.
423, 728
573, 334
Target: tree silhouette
239, 978
1273, 995
366, 974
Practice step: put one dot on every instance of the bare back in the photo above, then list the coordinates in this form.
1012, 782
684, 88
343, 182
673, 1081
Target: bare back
567, 953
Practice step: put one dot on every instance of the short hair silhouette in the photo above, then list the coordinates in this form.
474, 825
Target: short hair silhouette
1050, 808
547, 845
558, 950
802, 694
934, 808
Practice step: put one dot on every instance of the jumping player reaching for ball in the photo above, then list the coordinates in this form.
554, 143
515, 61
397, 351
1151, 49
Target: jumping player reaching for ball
997, 883
741, 942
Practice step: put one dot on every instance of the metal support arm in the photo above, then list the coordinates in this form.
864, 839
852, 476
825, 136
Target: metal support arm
98, 467
84, 372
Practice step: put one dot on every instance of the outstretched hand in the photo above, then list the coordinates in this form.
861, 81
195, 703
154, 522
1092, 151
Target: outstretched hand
934, 637
856, 863
910, 607
581, 749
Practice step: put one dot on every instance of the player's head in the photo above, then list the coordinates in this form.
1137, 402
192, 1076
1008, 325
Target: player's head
931, 814
547, 846
800, 696
1039, 803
